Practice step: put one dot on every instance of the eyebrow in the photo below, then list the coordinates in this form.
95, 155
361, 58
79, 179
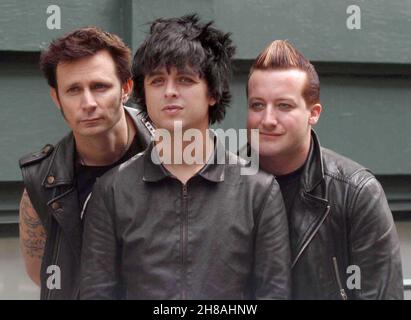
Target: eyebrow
185, 71
155, 73
281, 99
104, 81
188, 72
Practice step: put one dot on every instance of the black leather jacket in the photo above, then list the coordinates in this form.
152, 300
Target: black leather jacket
222, 235
48, 178
341, 218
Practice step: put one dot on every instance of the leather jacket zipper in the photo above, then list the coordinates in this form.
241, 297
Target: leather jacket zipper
337, 275
184, 240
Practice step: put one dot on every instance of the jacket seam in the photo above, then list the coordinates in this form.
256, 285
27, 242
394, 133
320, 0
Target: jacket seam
348, 179
269, 191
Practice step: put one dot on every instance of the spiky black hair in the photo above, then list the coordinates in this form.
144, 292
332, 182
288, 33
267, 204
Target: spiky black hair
187, 42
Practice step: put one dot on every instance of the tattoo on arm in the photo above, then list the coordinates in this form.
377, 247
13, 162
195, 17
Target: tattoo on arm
32, 233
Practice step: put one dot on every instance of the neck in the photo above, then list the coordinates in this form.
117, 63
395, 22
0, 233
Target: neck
280, 165
106, 148
188, 157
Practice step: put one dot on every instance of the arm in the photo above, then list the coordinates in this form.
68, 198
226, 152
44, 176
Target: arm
99, 278
32, 238
272, 266
375, 247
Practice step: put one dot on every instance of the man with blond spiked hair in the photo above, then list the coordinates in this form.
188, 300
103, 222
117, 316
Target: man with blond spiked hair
344, 244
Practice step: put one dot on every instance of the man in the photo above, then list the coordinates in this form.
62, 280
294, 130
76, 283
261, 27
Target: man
344, 244
159, 229
89, 73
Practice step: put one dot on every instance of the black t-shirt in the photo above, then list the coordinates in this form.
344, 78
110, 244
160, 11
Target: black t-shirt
86, 175
290, 185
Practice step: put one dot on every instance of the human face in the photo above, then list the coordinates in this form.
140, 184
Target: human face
277, 108
90, 94
177, 95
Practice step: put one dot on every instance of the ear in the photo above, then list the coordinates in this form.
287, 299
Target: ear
126, 90
211, 101
315, 111
54, 97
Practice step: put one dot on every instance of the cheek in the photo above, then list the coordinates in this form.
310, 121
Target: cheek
253, 120
150, 98
68, 106
111, 101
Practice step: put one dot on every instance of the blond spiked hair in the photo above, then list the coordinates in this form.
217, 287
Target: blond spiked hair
281, 55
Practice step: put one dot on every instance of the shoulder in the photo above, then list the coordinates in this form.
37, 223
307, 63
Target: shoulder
248, 173
126, 171
47, 152
141, 119
348, 171
37, 156
133, 112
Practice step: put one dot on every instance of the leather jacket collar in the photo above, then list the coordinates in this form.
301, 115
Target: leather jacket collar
58, 174
313, 172
212, 171
64, 153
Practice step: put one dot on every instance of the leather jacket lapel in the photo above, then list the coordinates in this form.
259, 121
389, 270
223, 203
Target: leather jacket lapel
65, 209
311, 207
63, 204
306, 223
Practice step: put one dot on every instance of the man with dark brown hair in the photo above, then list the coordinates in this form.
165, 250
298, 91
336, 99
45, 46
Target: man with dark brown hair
344, 244
89, 74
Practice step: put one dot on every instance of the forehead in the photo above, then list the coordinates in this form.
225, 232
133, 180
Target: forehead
98, 67
290, 81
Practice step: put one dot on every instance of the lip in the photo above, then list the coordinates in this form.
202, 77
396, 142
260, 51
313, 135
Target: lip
271, 134
172, 108
91, 120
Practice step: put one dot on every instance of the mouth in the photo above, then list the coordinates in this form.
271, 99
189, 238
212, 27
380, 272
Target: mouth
172, 109
90, 120
270, 134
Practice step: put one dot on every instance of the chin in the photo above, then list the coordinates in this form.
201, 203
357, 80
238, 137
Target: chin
268, 153
90, 132
170, 125
268, 150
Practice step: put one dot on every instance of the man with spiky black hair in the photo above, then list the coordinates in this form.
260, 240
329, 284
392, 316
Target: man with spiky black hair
206, 50
164, 227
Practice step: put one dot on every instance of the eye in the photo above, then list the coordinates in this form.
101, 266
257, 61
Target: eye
284, 106
100, 87
256, 105
186, 80
73, 90
156, 81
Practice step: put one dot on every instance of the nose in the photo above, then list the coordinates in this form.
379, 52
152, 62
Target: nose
269, 120
171, 89
88, 102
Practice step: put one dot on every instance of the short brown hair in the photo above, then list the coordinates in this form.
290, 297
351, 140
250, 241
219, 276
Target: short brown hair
281, 55
82, 43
